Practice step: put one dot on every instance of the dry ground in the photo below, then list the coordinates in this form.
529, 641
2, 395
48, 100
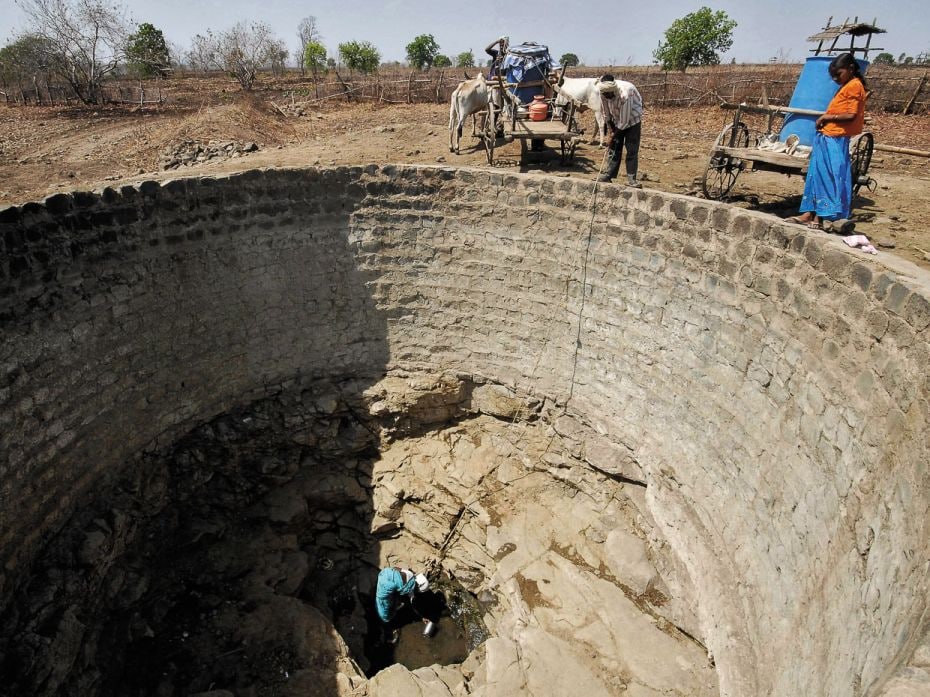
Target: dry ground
44, 150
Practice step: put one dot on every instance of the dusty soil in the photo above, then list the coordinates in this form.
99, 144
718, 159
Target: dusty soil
45, 150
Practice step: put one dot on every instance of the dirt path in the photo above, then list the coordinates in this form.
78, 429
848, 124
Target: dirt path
44, 150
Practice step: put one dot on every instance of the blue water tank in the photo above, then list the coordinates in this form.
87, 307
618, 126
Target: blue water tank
814, 91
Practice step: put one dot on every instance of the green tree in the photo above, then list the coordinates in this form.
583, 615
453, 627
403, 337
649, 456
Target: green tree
314, 57
422, 51
466, 59
307, 32
883, 59
147, 52
360, 55
696, 39
25, 59
442, 61
569, 60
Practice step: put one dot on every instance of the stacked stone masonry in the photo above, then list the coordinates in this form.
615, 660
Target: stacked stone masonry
772, 384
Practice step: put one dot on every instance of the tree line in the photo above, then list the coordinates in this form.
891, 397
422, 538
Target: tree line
82, 43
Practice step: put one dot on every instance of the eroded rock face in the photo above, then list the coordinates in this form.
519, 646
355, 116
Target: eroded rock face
189, 572
244, 559
573, 609
765, 383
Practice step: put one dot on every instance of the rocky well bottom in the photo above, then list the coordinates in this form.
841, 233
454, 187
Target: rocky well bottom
242, 560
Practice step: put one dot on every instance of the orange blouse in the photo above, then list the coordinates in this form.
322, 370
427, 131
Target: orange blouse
849, 100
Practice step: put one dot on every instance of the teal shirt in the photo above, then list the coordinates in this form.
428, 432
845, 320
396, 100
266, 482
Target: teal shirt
390, 587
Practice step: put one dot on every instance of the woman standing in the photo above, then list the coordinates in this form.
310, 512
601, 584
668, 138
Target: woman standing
828, 187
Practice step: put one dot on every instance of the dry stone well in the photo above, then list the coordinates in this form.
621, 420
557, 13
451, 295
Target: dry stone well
666, 446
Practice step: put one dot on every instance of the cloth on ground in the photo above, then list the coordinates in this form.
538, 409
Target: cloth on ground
860, 241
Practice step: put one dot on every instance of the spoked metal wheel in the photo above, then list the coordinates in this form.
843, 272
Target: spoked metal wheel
489, 133
569, 146
567, 150
722, 169
860, 156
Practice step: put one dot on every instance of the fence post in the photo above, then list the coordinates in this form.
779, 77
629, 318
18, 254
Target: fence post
345, 87
920, 86
410, 88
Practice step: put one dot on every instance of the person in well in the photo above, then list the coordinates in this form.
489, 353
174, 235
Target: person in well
395, 586
828, 186
622, 109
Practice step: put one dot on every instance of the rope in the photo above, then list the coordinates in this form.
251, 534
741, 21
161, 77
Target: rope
584, 280
466, 507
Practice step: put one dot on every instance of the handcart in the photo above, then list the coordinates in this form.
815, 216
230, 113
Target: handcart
522, 78
785, 147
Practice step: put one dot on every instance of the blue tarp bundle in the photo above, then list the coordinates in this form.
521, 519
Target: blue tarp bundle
527, 62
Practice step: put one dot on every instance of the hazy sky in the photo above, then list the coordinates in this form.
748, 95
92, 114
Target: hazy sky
600, 32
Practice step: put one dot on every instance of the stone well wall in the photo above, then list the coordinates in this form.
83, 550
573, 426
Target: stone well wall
770, 386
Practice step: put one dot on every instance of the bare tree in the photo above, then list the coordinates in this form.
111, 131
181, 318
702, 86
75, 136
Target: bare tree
175, 53
86, 40
307, 31
241, 51
201, 56
277, 56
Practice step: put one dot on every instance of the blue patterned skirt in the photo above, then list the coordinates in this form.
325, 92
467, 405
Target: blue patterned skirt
828, 187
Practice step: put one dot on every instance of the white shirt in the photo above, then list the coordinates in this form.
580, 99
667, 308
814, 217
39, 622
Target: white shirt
623, 109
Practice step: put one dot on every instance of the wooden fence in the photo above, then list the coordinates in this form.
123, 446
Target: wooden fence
40, 92
893, 88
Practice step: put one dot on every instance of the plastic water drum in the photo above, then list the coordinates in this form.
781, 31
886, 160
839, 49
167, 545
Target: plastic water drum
814, 91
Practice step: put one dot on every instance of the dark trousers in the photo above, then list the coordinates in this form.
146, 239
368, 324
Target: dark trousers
628, 137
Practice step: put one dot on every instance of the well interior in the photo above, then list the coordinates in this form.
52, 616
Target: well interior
762, 387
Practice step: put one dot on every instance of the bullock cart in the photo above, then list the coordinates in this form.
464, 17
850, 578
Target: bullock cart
511, 121
520, 84
739, 149
784, 145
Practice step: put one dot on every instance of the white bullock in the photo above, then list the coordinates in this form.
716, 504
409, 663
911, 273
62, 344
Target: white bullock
584, 90
470, 97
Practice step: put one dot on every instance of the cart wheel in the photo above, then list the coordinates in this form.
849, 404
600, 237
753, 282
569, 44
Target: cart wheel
489, 134
571, 149
722, 170
860, 155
